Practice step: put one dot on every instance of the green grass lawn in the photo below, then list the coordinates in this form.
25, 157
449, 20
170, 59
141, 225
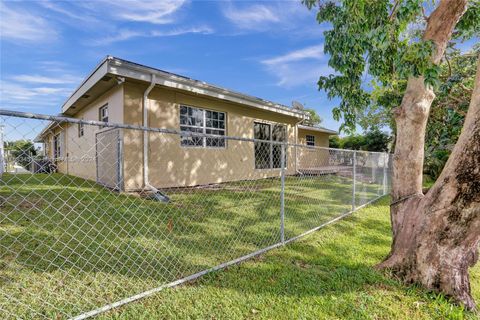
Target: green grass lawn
326, 275
69, 245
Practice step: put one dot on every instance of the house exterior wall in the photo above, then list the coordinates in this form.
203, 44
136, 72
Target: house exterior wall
78, 156
173, 165
321, 138
170, 164
310, 157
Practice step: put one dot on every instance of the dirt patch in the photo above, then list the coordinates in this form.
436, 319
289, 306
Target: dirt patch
23, 204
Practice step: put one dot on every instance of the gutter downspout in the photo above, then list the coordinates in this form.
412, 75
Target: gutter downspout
145, 134
157, 195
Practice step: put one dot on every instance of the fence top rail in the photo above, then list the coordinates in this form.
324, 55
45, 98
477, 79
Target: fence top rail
64, 119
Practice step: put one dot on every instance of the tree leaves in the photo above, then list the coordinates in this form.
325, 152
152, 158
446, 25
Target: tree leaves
315, 119
381, 40
469, 25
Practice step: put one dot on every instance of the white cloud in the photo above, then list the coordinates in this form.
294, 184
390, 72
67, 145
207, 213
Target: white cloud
252, 17
48, 86
35, 78
151, 11
20, 25
300, 74
272, 16
123, 35
20, 95
181, 31
158, 12
298, 67
313, 52
56, 7
107, 16
47, 90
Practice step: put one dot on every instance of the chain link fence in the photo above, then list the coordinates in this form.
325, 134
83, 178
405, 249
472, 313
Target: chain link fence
95, 215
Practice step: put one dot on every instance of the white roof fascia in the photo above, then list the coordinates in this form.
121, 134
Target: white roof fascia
324, 130
123, 68
130, 70
98, 73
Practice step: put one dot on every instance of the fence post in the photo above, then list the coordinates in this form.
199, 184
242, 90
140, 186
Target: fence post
282, 196
354, 179
2, 154
385, 161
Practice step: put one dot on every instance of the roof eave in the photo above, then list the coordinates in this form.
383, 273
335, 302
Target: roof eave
97, 73
324, 130
123, 68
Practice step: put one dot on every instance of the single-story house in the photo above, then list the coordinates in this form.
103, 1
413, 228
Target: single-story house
120, 91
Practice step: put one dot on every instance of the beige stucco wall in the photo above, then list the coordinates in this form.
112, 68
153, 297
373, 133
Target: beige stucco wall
321, 138
79, 152
311, 157
170, 164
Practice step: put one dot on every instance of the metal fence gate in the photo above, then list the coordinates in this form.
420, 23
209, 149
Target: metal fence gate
109, 158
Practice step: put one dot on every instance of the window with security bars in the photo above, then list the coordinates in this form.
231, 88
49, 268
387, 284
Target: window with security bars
81, 130
57, 146
310, 140
103, 114
202, 121
268, 154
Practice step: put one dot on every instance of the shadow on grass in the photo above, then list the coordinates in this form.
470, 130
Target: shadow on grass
58, 226
329, 265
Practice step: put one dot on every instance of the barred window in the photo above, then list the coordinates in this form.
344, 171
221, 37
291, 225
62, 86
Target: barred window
202, 121
57, 146
103, 114
268, 154
81, 130
310, 140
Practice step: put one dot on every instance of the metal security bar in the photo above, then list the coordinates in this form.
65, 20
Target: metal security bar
81, 232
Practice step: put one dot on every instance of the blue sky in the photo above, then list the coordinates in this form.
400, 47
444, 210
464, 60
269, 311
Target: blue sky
273, 50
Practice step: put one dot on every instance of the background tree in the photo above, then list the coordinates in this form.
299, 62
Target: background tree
23, 151
447, 113
448, 110
435, 235
372, 140
335, 142
353, 142
315, 119
376, 140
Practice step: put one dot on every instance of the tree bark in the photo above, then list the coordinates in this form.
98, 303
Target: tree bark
436, 235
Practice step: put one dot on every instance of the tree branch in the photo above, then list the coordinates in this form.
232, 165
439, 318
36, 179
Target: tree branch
449, 66
394, 11
425, 17
469, 91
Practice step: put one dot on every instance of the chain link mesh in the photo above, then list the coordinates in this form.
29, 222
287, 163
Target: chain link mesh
82, 226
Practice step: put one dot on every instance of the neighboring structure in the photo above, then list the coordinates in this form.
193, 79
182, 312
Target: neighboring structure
120, 91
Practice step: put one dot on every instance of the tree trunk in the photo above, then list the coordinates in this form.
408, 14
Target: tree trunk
436, 236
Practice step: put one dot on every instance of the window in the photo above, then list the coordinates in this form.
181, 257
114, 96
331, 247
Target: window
310, 140
267, 154
57, 148
81, 130
202, 121
103, 114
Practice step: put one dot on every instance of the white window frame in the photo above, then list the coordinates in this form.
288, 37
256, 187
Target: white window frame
271, 167
311, 142
57, 145
204, 127
103, 117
